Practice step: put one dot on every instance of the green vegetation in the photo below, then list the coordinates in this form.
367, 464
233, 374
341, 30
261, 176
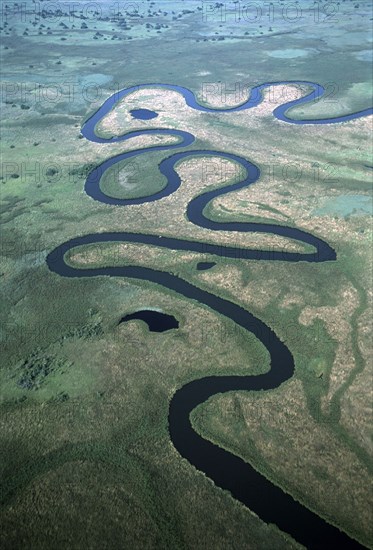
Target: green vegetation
133, 178
35, 369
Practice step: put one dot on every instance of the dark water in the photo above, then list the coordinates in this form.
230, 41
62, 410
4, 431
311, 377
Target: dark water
157, 321
143, 114
254, 99
196, 207
202, 266
228, 471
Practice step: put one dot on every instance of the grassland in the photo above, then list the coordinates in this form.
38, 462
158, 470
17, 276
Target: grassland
84, 402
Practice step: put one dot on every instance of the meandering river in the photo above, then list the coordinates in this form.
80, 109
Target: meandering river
228, 471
